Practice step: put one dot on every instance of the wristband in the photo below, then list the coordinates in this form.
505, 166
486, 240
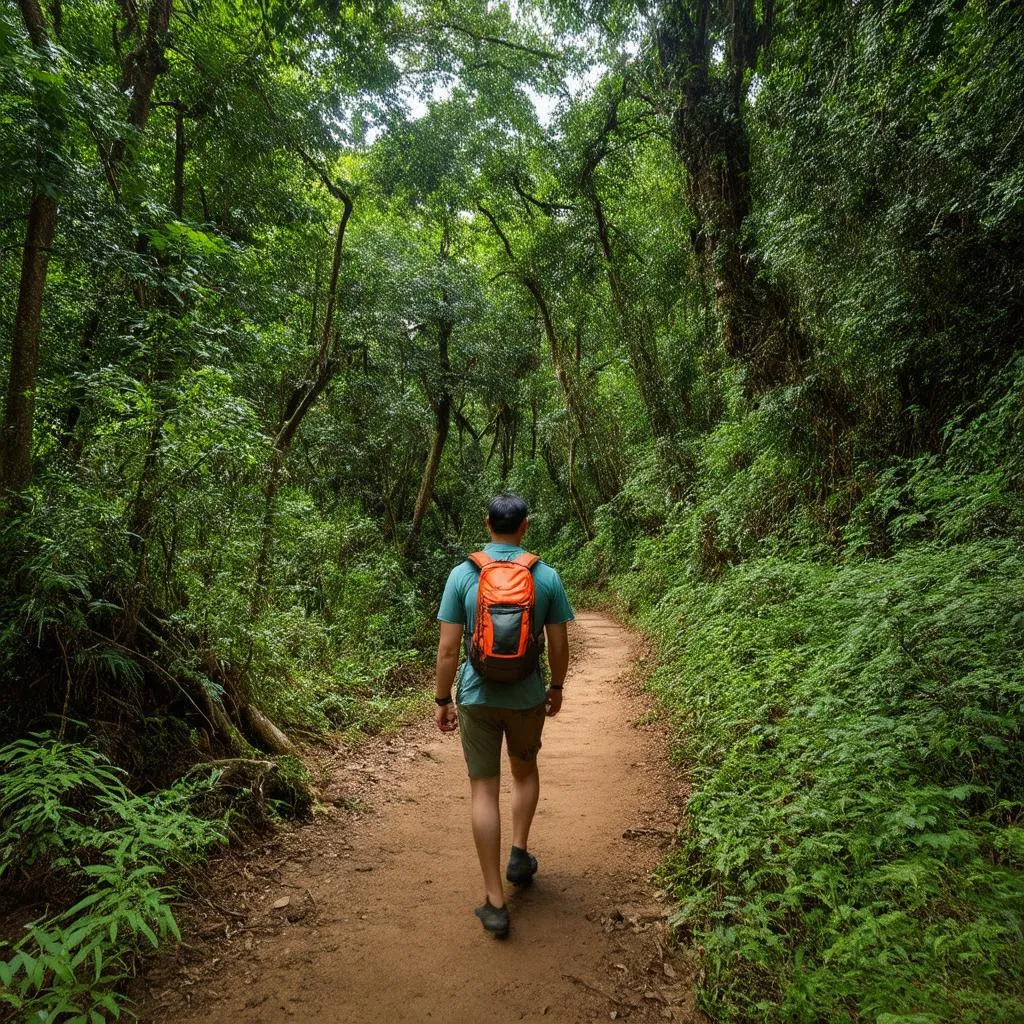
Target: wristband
551, 686
442, 702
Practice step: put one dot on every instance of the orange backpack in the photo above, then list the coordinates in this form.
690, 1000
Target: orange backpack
503, 646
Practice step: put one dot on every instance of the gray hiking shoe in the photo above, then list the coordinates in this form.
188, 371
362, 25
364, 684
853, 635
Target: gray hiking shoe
494, 919
522, 866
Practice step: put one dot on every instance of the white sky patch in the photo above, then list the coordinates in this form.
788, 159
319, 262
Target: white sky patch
418, 104
544, 103
575, 86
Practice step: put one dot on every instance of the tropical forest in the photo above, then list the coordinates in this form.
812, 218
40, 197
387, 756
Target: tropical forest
731, 292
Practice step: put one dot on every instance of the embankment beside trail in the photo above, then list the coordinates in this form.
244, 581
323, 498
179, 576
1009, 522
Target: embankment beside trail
853, 848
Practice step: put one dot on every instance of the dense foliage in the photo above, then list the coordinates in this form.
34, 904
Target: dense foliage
854, 843
732, 292
66, 810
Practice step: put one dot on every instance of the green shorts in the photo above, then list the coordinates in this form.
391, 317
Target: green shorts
482, 727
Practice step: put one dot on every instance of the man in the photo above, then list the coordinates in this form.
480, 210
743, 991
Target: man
489, 710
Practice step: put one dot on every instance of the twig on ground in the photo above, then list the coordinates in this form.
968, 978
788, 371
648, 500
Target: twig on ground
643, 833
594, 988
224, 910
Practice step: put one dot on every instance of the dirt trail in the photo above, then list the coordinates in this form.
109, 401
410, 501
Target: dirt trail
367, 916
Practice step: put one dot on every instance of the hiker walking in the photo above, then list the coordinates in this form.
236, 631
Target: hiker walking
507, 601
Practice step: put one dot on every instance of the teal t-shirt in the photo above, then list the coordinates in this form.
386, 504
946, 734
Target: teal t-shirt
458, 605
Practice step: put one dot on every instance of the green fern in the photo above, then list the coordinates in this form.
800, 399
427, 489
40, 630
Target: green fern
66, 804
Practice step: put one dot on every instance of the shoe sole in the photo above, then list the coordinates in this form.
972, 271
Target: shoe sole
498, 933
523, 879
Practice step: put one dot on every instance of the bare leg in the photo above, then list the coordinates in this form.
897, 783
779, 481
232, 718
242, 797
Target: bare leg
525, 793
487, 835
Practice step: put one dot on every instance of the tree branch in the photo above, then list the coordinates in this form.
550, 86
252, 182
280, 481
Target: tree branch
544, 205
497, 228
342, 192
482, 37
467, 425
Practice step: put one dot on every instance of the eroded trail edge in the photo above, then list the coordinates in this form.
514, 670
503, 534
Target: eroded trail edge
366, 915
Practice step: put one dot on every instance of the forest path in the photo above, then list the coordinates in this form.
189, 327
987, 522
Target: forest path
368, 916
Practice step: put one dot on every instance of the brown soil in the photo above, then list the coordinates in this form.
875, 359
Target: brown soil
366, 914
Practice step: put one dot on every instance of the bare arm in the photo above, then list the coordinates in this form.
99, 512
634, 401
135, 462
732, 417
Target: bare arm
444, 672
558, 659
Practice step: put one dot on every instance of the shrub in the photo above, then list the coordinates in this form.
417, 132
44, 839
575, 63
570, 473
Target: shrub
853, 847
65, 810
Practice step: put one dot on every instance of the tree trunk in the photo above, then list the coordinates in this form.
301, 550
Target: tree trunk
604, 466
533, 427
41, 225
442, 423
16, 453
325, 363
509, 428
178, 198
574, 494
638, 337
314, 316
600, 453
758, 325
35, 23
220, 724
301, 400
74, 411
141, 69
637, 334
263, 729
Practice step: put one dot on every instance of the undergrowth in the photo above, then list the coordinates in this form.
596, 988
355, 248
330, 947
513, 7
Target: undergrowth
849, 696
854, 842
68, 821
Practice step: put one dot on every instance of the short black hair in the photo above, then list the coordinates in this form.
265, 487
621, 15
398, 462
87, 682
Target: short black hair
506, 513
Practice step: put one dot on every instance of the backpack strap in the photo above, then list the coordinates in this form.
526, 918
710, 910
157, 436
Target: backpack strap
531, 560
480, 559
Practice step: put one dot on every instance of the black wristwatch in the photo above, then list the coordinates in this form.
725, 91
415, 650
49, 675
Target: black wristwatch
551, 686
442, 702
